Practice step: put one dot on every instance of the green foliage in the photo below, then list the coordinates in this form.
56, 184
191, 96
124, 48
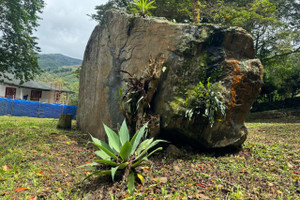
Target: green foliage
18, 46
205, 100
179, 11
142, 7
282, 80
123, 155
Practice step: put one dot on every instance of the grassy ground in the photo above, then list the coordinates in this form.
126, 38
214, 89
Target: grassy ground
37, 161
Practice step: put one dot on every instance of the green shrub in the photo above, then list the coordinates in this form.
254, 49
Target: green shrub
205, 100
123, 155
142, 7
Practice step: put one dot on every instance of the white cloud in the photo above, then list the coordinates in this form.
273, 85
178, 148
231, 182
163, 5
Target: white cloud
65, 27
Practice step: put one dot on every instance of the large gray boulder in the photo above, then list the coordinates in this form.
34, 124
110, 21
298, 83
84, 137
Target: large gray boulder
188, 54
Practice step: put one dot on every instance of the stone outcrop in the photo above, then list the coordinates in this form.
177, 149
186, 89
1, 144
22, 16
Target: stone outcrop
188, 54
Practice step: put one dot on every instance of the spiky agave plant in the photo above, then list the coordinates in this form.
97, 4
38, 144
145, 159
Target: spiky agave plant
123, 155
142, 7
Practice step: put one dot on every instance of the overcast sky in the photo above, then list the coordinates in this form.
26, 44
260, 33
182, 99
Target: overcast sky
65, 27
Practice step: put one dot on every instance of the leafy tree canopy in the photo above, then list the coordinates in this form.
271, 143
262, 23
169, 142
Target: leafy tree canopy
18, 46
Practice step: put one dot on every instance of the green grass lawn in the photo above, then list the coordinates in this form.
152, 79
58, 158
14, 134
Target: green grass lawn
38, 161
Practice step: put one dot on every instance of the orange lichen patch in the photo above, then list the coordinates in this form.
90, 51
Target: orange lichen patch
234, 63
236, 79
241, 89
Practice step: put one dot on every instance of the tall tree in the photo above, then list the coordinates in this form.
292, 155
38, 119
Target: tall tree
18, 46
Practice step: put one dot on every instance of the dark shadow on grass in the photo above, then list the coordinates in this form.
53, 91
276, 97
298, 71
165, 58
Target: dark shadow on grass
190, 147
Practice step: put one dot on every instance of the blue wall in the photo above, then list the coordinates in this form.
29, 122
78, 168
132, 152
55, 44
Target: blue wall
34, 109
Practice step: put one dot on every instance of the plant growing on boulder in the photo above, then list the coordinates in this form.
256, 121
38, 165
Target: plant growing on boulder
123, 155
136, 99
206, 100
142, 7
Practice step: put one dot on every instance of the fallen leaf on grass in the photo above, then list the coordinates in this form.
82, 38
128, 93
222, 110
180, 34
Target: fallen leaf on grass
45, 189
202, 168
296, 172
126, 195
271, 185
21, 189
160, 179
33, 151
141, 178
40, 173
176, 168
202, 196
6, 168
4, 193
146, 169
201, 185
32, 198
272, 169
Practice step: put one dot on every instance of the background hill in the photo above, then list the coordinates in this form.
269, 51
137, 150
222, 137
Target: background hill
56, 60
60, 69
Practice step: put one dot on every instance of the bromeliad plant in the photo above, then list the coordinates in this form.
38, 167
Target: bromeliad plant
122, 154
142, 7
